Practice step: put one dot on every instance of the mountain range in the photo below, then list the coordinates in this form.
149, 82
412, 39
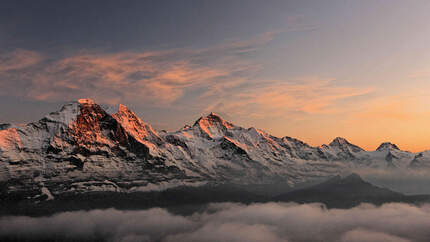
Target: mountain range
85, 148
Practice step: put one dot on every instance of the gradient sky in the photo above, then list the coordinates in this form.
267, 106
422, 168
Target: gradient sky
313, 70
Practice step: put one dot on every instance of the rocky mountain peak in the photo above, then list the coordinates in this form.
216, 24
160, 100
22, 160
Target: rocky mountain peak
123, 109
86, 101
84, 143
339, 141
213, 125
343, 144
125, 113
353, 177
387, 146
213, 120
89, 123
134, 125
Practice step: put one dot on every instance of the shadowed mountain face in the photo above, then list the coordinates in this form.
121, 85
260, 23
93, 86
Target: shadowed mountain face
4, 126
336, 192
343, 192
83, 148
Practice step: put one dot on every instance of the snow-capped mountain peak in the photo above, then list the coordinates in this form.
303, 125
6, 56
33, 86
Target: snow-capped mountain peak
343, 144
134, 125
387, 146
339, 141
84, 148
213, 120
213, 126
125, 114
67, 114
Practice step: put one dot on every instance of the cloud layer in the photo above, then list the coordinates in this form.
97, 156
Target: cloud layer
220, 78
288, 98
232, 222
18, 59
154, 77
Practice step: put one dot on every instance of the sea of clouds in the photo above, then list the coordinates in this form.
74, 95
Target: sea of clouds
266, 222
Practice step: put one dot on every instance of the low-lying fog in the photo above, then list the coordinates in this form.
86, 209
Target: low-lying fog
231, 222
406, 181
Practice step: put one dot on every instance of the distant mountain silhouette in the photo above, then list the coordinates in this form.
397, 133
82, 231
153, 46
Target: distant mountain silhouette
343, 192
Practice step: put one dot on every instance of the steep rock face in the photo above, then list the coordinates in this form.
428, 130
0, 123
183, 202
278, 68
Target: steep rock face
135, 126
389, 158
95, 128
213, 126
81, 148
139, 131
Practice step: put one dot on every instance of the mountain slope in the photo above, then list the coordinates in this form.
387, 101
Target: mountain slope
343, 192
83, 148
421, 160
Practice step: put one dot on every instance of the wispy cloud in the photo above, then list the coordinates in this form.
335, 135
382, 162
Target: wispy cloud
18, 59
287, 98
221, 78
153, 77
126, 77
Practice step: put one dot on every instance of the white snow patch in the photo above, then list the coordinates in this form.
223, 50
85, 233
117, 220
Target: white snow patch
166, 185
48, 193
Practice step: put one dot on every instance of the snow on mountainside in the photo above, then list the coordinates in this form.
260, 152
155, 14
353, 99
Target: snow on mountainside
84, 148
81, 148
421, 160
387, 146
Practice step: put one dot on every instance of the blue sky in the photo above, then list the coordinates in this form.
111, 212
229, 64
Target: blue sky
309, 69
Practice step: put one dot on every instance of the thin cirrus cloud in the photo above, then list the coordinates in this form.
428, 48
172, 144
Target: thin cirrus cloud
18, 59
231, 222
110, 78
286, 98
120, 77
153, 77
219, 78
